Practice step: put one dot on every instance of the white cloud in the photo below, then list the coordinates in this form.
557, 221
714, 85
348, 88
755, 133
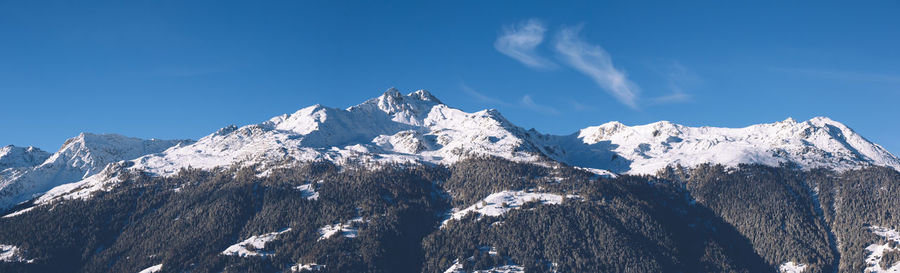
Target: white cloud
529, 103
482, 98
581, 107
525, 103
594, 62
671, 98
520, 40
678, 80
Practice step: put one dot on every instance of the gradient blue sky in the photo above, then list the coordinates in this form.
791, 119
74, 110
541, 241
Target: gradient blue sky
167, 69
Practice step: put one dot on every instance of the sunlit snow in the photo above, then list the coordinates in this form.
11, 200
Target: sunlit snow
11, 253
818, 142
308, 191
255, 243
307, 267
19, 212
152, 269
876, 251
791, 267
501, 202
418, 128
458, 268
80, 157
347, 229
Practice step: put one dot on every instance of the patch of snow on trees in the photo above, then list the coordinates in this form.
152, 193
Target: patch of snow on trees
347, 229
791, 267
499, 203
889, 250
11, 253
152, 269
253, 246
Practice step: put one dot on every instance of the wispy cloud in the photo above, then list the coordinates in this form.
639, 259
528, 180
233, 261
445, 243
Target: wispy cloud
679, 80
519, 42
594, 62
581, 107
526, 102
529, 103
482, 98
671, 98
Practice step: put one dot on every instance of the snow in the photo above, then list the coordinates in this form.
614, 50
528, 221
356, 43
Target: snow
457, 267
873, 261
598, 172
419, 128
392, 128
17, 157
17, 213
818, 142
10, 253
152, 269
257, 242
79, 158
503, 269
83, 189
493, 205
791, 267
308, 191
396, 128
510, 267
347, 229
307, 267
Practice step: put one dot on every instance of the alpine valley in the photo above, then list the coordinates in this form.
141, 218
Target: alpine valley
405, 183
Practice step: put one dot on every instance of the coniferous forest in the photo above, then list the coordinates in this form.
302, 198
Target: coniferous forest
710, 218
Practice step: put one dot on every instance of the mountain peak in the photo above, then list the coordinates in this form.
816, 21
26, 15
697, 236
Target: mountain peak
393, 92
424, 95
91, 152
14, 157
824, 121
409, 109
393, 97
80, 157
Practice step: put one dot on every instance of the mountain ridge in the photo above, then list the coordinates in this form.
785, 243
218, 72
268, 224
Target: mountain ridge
79, 157
15, 157
419, 128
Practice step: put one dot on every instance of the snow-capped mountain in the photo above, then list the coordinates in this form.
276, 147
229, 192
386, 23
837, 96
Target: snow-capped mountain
418, 127
390, 128
818, 142
17, 157
30, 171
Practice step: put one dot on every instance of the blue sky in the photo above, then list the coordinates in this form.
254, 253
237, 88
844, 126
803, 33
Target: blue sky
167, 69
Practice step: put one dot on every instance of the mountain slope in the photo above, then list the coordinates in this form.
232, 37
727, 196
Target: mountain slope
80, 157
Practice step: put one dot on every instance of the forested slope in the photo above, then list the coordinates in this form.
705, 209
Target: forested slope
396, 218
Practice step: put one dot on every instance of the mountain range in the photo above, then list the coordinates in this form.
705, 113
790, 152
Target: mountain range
419, 128
404, 175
